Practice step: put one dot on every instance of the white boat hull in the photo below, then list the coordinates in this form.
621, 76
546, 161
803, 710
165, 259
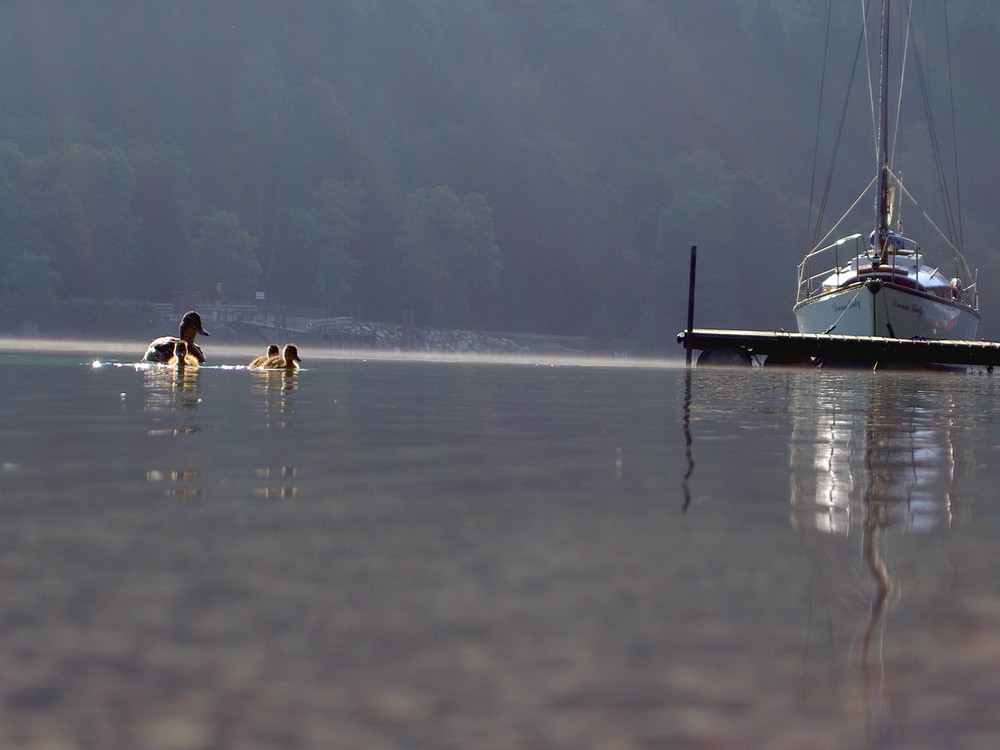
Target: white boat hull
891, 311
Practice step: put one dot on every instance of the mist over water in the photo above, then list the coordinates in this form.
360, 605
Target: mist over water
124, 352
377, 552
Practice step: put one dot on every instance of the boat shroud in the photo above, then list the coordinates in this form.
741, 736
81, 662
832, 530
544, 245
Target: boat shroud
883, 283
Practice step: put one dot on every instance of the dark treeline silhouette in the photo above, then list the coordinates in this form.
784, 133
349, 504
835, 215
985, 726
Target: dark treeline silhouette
534, 165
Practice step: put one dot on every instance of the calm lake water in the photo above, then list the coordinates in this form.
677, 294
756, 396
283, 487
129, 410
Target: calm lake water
392, 554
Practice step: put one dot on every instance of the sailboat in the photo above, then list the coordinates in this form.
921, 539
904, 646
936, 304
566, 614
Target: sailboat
879, 282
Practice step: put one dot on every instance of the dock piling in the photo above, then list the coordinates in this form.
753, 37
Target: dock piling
690, 320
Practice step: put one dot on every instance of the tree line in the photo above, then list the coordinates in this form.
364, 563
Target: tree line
499, 164
122, 223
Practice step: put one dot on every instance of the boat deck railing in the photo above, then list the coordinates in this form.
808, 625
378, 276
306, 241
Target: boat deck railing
820, 263
824, 262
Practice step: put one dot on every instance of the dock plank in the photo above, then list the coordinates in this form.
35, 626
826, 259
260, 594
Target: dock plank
825, 346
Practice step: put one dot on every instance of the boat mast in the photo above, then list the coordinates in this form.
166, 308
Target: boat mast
882, 188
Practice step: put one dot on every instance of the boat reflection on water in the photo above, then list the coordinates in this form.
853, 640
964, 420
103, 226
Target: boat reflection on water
872, 462
890, 456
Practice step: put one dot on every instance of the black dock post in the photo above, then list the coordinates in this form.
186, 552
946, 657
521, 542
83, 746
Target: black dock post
690, 326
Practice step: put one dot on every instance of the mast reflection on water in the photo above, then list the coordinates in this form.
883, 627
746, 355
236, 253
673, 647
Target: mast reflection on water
873, 461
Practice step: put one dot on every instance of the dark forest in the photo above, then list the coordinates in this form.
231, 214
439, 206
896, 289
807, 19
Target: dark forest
506, 165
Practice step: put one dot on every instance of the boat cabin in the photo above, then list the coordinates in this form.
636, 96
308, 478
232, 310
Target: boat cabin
903, 269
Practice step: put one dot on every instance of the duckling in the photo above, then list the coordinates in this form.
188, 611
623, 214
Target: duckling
289, 359
181, 356
162, 349
261, 361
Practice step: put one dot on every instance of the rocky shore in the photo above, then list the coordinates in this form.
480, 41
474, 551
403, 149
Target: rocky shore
404, 338
349, 334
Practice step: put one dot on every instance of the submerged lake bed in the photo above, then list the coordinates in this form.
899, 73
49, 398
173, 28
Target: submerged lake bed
468, 553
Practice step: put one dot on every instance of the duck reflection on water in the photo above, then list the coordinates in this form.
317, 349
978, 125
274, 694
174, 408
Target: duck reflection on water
178, 484
169, 388
278, 389
280, 474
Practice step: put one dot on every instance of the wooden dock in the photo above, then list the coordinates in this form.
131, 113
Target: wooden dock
718, 346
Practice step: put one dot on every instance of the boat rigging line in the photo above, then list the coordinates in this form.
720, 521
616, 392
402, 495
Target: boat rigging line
840, 128
951, 233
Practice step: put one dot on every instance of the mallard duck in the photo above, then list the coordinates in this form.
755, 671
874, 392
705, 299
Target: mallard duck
181, 356
162, 349
288, 360
261, 361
